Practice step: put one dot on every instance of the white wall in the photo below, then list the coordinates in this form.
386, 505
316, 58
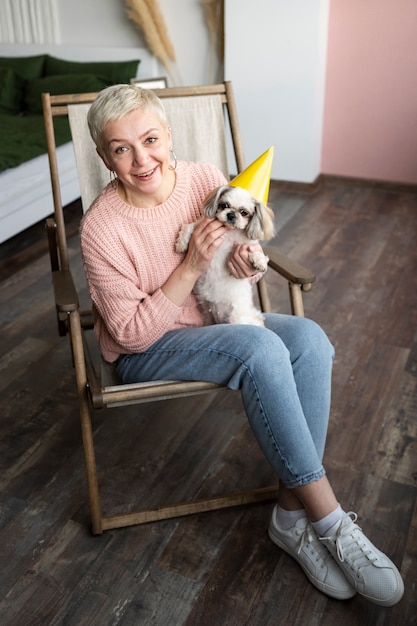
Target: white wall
104, 22
96, 23
275, 57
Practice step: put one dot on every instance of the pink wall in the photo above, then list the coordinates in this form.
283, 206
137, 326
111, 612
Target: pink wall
370, 113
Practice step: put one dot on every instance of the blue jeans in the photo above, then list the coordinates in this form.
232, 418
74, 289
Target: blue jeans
283, 372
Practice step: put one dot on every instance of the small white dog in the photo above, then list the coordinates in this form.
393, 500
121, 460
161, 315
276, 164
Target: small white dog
227, 299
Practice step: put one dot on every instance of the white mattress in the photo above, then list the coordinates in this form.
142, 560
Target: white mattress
25, 191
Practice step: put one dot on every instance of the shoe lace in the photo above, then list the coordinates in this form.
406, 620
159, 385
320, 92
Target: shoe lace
350, 544
305, 539
309, 538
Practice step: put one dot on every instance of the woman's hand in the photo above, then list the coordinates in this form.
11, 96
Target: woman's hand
206, 238
239, 264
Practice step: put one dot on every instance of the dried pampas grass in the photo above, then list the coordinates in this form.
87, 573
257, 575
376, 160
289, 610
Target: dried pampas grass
214, 17
147, 17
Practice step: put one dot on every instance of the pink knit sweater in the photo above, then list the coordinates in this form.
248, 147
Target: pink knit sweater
129, 254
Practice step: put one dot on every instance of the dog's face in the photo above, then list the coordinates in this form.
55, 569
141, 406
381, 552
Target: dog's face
235, 207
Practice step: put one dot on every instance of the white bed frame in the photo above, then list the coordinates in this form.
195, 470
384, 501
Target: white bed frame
25, 191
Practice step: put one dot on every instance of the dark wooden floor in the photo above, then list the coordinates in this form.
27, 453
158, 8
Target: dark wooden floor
219, 568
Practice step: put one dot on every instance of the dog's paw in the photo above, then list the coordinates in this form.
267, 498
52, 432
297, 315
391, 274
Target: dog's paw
183, 239
259, 261
181, 245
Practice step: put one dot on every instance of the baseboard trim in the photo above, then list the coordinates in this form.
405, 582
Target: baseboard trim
369, 182
329, 179
288, 185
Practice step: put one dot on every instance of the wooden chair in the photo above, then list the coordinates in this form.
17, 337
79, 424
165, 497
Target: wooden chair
208, 109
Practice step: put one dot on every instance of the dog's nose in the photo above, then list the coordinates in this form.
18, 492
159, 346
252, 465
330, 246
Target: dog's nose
231, 217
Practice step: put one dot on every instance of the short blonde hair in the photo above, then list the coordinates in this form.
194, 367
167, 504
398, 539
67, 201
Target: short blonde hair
116, 101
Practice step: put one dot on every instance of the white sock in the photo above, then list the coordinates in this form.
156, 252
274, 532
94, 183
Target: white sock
287, 519
323, 525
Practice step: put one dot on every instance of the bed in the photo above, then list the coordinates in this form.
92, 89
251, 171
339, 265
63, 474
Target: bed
25, 190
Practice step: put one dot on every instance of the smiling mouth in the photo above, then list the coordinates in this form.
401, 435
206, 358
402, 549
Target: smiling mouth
145, 175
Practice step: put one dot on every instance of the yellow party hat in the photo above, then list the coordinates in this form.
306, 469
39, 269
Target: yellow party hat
256, 178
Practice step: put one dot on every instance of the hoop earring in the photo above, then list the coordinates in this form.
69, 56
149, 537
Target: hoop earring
174, 158
113, 178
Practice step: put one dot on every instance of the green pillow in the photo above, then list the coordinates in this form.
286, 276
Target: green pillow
59, 85
113, 71
27, 67
11, 91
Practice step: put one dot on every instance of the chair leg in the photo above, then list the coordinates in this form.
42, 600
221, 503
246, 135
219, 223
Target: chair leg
86, 425
91, 467
296, 299
263, 296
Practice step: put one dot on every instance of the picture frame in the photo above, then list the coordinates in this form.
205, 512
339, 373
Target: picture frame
150, 83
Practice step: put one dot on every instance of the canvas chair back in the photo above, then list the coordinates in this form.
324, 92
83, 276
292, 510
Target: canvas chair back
198, 134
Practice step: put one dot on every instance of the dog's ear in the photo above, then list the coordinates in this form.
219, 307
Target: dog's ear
261, 225
211, 202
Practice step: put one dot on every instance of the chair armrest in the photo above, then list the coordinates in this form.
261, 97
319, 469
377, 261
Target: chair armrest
66, 298
292, 271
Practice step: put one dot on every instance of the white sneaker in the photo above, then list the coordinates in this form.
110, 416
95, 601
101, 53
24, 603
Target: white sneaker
369, 571
302, 543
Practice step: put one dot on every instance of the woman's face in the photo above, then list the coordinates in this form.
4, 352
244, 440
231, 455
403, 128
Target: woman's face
137, 148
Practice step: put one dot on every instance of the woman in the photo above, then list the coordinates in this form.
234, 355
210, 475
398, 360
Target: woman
148, 321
